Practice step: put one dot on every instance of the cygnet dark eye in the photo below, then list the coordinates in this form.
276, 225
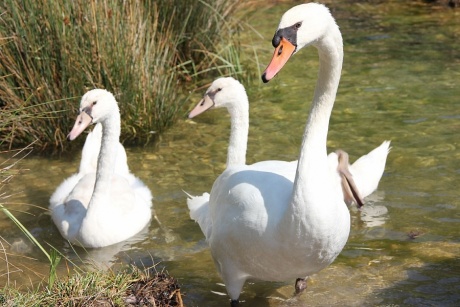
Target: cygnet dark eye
219, 89
298, 25
94, 102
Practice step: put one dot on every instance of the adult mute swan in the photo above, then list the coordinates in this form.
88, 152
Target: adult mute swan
259, 223
109, 205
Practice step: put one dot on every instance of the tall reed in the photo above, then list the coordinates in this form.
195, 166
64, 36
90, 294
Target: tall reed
51, 52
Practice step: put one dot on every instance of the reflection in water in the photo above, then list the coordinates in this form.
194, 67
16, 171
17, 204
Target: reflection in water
104, 258
400, 82
373, 214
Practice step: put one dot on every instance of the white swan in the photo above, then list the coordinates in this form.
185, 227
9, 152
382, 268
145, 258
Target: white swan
110, 205
229, 93
90, 153
258, 223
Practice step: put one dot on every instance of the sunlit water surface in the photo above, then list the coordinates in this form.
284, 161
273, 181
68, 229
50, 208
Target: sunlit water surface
400, 82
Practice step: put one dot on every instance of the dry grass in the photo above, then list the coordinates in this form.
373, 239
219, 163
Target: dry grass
52, 52
131, 287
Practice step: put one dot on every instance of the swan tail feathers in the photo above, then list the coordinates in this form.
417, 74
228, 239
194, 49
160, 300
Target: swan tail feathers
368, 169
199, 212
382, 151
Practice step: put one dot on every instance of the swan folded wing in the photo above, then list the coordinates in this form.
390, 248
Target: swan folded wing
118, 215
129, 195
69, 203
143, 194
249, 201
63, 190
129, 206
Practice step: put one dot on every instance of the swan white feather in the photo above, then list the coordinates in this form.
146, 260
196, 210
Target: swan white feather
261, 222
229, 93
102, 206
90, 153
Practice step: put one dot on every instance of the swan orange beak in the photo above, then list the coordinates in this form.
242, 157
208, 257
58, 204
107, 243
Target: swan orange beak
281, 55
205, 104
83, 121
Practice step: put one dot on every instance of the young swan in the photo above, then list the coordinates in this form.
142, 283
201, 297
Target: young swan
108, 205
358, 180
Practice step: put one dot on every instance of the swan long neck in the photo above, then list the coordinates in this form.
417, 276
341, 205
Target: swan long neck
312, 171
107, 155
237, 146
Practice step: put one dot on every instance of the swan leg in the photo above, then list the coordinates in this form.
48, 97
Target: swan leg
350, 190
300, 285
234, 303
234, 281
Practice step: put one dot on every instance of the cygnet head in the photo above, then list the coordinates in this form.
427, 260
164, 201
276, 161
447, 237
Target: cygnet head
95, 106
223, 92
301, 26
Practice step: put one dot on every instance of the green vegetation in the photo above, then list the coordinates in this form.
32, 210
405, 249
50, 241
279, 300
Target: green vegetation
145, 52
149, 54
129, 286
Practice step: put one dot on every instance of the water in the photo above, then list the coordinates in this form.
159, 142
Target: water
399, 82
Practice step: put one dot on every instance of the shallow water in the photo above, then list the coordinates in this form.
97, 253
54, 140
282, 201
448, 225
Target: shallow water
399, 82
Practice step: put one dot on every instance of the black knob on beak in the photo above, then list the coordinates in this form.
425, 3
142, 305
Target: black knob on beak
276, 40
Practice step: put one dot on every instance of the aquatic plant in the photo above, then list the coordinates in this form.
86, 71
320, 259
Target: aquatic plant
8, 170
129, 285
142, 51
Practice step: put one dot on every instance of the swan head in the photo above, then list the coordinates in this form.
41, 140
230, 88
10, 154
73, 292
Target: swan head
223, 92
95, 106
301, 26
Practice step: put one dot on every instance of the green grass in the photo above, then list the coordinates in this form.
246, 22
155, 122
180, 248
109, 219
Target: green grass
140, 287
130, 284
8, 170
148, 53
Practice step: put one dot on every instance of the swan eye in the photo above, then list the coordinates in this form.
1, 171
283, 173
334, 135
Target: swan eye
94, 102
298, 25
219, 89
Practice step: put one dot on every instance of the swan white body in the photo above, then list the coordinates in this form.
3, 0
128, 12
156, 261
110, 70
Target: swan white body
230, 94
264, 221
102, 206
